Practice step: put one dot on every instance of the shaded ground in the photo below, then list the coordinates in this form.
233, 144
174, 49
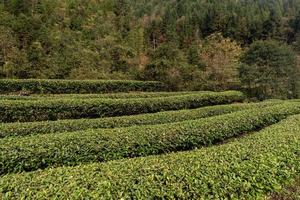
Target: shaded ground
291, 192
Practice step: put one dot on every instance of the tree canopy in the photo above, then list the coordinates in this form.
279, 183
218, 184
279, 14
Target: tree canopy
122, 39
268, 69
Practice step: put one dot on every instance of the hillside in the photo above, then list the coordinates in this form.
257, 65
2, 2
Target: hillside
149, 99
172, 41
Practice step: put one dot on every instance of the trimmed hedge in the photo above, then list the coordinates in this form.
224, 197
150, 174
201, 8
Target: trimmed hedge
16, 97
41, 151
128, 95
44, 86
31, 128
247, 168
25, 111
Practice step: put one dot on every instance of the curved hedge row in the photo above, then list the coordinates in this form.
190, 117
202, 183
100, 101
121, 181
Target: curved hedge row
248, 168
76, 86
41, 151
128, 95
31, 128
12, 111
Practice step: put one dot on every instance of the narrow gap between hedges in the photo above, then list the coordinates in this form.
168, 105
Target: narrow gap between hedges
290, 191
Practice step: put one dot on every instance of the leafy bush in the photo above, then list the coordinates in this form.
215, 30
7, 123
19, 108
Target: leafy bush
126, 95
30, 128
298, 88
76, 86
247, 168
12, 111
268, 70
41, 151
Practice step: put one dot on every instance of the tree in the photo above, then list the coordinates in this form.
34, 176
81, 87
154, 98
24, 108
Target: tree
116, 38
167, 62
122, 11
268, 70
295, 24
120, 56
13, 61
220, 57
193, 56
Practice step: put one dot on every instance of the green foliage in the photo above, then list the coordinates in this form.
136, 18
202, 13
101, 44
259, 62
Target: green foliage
23, 129
119, 56
298, 88
76, 86
245, 21
127, 95
221, 59
193, 56
12, 111
167, 65
41, 151
249, 167
58, 39
289, 192
115, 39
268, 70
296, 43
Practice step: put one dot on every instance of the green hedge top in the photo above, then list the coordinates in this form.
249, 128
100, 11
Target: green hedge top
76, 86
247, 168
18, 110
32, 128
119, 95
100, 145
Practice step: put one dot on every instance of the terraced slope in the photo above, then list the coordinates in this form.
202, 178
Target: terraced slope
41, 151
46, 127
127, 95
245, 168
25, 111
36, 86
67, 141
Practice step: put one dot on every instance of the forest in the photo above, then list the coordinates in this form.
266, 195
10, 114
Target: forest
216, 45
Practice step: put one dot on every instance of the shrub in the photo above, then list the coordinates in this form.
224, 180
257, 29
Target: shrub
76, 86
127, 95
30, 128
41, 151
12, 111
247, 168
268, 70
